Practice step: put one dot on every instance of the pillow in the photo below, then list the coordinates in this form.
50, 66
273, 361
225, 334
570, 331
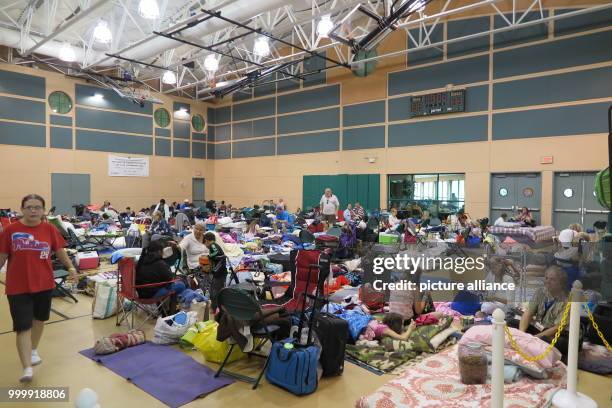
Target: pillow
530, 368
531, 345
441, 337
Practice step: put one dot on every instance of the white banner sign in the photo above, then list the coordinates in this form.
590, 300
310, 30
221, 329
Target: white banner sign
128, 166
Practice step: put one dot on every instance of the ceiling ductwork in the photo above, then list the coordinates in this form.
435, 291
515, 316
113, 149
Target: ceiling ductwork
150, 46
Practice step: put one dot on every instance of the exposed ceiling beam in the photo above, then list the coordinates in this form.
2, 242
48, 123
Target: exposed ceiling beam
70, 23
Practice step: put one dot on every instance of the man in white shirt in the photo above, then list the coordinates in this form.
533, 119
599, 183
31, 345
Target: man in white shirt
567, 236
501, 220
329, 206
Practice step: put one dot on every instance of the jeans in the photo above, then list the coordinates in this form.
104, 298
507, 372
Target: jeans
177, 287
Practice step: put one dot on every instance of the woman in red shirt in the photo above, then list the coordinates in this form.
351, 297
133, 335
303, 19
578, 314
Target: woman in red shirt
27, 244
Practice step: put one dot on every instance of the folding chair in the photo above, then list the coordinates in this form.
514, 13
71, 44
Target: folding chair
80, 245
127, 290
292, 300
60, 276
242, 305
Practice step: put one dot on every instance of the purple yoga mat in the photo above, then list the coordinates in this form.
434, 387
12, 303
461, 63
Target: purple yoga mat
169, 375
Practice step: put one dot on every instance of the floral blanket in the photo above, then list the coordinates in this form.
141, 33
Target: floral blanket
434, 382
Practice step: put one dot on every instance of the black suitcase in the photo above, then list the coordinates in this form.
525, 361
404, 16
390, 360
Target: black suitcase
333, 333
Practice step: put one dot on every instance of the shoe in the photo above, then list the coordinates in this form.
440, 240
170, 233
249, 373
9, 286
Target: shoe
36, 360
27, 375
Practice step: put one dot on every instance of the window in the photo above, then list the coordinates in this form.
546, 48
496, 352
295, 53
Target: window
440, 194
60, 102
197, 121
162, 117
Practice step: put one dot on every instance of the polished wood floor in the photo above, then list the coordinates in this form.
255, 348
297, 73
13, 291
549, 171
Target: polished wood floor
71, 329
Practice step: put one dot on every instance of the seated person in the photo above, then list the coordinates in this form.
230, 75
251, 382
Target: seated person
525, 217
392, 326
212, 218
424, 220
416, 211
573, 259
503, 218
502, 271
158, 229
185, 205
568, 235
545, 310
393, 220
348, 213
410, 304
107, 219
253, 228
358, 213
282, 221
151, 268
193, 245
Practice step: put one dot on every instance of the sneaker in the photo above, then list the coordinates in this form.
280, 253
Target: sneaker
27, 375
36, 360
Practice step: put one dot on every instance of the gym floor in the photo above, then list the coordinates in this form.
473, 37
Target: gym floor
71, 329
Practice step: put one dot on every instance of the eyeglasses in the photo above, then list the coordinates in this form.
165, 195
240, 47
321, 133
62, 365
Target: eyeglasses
33, 208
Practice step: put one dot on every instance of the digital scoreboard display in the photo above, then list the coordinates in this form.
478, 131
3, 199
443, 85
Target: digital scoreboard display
438, 103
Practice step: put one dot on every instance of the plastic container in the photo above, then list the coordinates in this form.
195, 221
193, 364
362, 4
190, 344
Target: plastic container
472, 363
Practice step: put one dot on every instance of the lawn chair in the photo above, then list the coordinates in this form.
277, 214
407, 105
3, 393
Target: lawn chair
127, 290
242, 305
292, 300
60, 276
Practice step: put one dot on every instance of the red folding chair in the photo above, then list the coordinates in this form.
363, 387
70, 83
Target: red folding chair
308, 264
128, 290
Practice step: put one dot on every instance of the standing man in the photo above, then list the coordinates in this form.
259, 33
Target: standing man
329, 207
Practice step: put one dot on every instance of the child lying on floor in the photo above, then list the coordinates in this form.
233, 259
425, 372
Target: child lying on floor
391, 326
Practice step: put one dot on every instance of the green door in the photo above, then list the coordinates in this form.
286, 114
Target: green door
349, 188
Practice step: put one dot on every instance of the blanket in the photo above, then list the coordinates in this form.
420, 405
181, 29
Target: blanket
434, 382
389, 353
536, 234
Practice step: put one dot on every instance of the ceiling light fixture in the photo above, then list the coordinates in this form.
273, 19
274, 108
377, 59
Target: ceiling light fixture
261, 47
66, 53
148, 9
102, 33
324, 26
211, 63
169, 78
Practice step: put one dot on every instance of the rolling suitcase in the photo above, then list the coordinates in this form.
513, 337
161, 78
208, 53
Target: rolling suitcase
333, 334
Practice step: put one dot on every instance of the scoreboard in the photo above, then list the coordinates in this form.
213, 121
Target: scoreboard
437, 103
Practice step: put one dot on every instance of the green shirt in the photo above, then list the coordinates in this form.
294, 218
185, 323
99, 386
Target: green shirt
546, 309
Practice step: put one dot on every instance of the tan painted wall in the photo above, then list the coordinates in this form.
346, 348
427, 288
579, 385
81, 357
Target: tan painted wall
25, 170
252, 180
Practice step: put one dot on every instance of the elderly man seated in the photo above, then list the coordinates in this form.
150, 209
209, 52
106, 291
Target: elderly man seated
543, 315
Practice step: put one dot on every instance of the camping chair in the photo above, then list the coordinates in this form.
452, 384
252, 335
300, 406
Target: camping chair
242, 305
78, 244
305, 261
60, 276
127, 290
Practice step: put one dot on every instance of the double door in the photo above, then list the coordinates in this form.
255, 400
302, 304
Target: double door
512, 191
575, 200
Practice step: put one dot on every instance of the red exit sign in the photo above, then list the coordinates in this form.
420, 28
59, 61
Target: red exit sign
546, 160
